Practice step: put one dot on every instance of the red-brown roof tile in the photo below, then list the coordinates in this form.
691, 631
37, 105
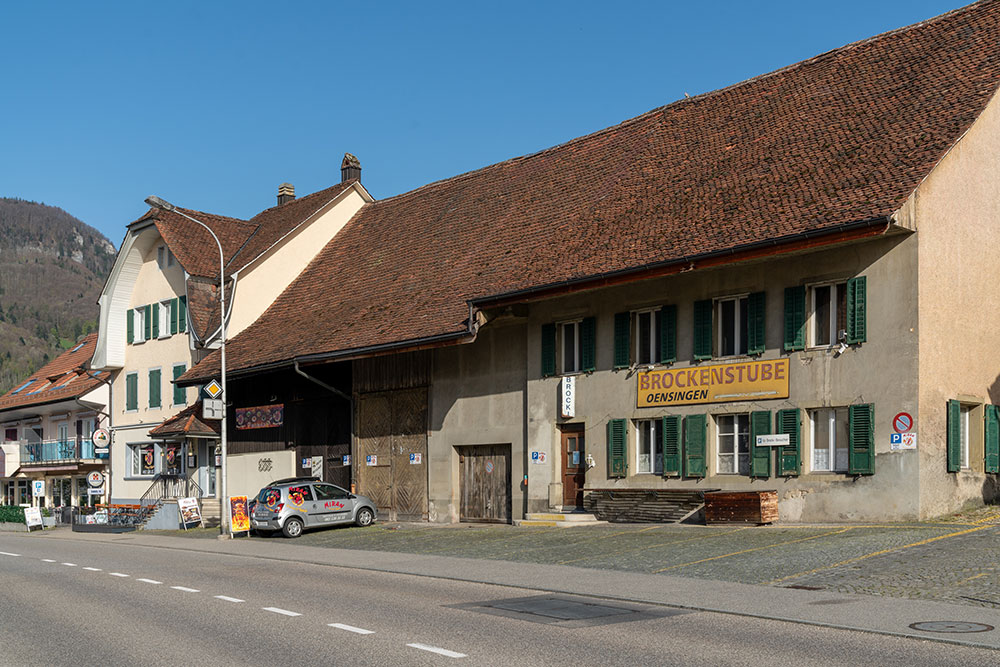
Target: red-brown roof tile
843, 137
42, 389
187, 422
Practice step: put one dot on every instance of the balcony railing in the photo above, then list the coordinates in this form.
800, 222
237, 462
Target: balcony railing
52, 451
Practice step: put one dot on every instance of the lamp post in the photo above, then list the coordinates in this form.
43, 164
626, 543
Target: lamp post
156, 202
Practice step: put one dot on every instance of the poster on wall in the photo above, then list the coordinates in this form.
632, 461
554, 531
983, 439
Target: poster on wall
746, 381
239, 520
262, 416
189, 511
148, 454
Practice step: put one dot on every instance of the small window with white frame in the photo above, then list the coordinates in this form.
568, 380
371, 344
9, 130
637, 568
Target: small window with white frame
648, 451
139, 325
733, 330
828, 314
733, 444
830, 439
965, 434
647, 337
163, 312
571, 351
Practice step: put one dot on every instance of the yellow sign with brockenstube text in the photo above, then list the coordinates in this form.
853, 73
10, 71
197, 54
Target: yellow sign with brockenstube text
746, 381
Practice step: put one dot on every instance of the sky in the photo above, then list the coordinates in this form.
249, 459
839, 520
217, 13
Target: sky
211, 105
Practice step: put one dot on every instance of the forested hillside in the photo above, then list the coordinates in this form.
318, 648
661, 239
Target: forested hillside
52, 269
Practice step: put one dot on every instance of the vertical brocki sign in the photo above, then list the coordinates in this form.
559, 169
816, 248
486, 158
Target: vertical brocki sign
746, 381
567, 396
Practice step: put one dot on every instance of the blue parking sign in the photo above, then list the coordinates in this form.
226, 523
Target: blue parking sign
895, 438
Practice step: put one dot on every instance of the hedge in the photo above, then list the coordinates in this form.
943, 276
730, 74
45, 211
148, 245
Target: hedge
11, 514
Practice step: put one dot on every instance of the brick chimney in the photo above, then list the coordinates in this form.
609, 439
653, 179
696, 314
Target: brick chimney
350, 168
286, 193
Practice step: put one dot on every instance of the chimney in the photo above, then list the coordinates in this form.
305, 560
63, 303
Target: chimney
286, 193
350, 168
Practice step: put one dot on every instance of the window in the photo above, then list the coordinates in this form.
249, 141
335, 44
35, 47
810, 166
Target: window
131, 392
170, 257
964, 429
570, 346
10, 435
647, 339
572, 343
161, 256
22, 387
297, 495
961, 431
830, 439
164, 313
155, 384
829, 314
733, 444
180, 393
142, 459
138, 325
648, 454
330, 492
733, 326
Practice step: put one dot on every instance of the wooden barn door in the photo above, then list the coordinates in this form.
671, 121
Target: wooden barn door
392, 453
484, 483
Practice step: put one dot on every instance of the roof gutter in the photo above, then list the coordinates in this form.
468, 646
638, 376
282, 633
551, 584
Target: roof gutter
802, 240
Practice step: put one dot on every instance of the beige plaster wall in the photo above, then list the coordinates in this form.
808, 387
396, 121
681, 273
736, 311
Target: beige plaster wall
476, 398
957, 215
882, 371
260, 283
245, 478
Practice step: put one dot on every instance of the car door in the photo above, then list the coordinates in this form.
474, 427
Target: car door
333, 504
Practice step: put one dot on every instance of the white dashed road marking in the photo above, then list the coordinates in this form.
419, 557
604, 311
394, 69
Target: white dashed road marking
150, 581
227, 598
185, 589
92, 569
351, 628
70, 564
281, 611
7, 553
439, 651
47, 560
117, 574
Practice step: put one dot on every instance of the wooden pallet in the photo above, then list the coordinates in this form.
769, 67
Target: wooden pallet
757, 507
642, 505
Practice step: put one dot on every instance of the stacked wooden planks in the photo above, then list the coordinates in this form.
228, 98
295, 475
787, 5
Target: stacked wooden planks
642, 505
741, 507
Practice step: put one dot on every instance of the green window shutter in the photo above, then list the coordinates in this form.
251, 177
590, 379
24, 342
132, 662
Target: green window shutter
182, 303
861, 457
132, 391
623, 342
703, 329
148, 322
180, 393
668, 334
795, 318
548, 350
789, 456
670, 441
129, 326
154, 388
694, 446
617, 460
954, 436
588, 344
760, 457
992, 441
755, 326
173, 316
155, 315
857, 331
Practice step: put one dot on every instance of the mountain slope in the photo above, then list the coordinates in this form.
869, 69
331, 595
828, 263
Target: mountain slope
52, 269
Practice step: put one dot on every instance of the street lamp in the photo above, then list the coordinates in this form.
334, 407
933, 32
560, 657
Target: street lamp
156, 202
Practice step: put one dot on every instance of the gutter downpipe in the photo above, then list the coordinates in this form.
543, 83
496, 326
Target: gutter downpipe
350, 403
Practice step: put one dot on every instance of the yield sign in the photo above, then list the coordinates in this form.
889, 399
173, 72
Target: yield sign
213, 389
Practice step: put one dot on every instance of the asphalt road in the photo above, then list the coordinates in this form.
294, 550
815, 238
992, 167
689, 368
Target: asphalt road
67, 602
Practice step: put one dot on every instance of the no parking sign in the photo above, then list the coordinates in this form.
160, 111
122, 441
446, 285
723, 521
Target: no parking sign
902, 423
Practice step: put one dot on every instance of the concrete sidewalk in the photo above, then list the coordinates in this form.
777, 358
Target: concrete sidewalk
890, 616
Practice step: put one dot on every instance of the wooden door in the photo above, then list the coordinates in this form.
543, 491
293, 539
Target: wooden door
484, 483
574, 465
392, 453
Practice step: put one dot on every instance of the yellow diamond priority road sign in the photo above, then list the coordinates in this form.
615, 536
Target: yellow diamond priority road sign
213, 389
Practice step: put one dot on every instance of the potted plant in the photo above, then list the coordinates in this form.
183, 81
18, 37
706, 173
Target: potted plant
48, 521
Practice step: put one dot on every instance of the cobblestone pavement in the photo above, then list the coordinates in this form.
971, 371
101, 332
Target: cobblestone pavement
956, 559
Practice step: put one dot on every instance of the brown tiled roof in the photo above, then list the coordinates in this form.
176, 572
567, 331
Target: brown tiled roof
187, 422
66, 383
843, 137
194, 247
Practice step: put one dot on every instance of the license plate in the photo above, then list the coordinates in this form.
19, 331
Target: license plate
260, 523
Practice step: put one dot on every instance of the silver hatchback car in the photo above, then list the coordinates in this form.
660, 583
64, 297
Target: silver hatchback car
292, 505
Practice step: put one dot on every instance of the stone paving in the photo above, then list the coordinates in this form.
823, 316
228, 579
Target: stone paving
955, 559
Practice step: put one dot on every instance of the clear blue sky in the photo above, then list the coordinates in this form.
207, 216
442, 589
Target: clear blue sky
211, 105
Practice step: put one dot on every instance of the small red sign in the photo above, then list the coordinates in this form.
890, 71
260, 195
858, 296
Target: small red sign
902, 423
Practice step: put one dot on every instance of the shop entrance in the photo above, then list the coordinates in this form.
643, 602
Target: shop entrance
574, 464
392, 452
484, 483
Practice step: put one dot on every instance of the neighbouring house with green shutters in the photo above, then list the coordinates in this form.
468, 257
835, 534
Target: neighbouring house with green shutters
783, 285
160, 315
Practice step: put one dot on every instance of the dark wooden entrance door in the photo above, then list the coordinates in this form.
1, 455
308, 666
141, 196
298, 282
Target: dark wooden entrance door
484, 483
392, 453
574, 465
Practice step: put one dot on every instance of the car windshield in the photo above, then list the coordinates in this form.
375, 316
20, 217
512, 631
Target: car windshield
265, 492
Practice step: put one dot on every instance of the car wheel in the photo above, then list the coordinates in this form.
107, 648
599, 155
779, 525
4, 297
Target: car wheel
364, 517
292, 527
